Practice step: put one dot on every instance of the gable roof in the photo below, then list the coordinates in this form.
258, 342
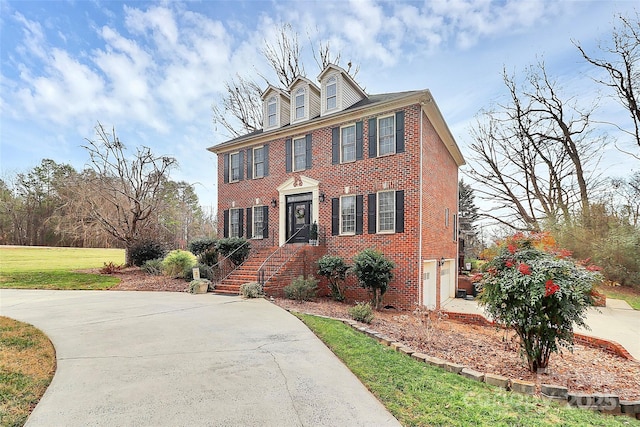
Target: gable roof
372, 102
272, 88
352, 82
305, 80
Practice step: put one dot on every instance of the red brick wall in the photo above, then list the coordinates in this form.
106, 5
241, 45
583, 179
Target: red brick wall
399, 172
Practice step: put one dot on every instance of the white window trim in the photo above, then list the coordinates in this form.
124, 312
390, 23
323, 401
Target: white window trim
231, 179
293, 153
299, 92
253, 222
230, 232
353, 125
275, 115
253, 160
393, 134
455, 227
326, 91
393, 199
446, 217
355, 200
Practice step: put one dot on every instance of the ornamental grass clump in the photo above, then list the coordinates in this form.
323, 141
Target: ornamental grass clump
536, 289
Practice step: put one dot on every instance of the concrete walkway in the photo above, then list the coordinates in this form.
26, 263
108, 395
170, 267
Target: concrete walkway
616, 322
175, 359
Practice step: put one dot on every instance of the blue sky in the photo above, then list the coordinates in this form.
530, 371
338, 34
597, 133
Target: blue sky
154, 69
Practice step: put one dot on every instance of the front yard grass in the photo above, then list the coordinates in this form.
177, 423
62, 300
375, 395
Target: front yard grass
418, 394
27, 365
29, 267
628, 294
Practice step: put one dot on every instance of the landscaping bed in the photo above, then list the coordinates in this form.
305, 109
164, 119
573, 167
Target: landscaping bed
491, 350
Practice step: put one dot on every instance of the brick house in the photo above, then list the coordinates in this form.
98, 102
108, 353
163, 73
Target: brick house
375, 171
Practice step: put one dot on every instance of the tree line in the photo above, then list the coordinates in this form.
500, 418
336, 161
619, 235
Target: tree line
117, 201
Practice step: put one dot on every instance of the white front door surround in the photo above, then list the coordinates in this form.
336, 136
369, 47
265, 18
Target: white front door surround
296, 185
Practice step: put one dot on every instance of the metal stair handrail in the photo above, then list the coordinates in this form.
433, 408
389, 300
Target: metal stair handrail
268, 269
224, 264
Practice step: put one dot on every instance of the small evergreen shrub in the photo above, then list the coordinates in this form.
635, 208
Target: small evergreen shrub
335, 270
146, 250
373, 271
251, 290
236, 248
302, 289
153, 267
206, 251
361, 312
195, 285
176, 262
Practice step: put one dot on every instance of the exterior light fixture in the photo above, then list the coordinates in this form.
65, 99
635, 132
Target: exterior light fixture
274, 203
321, 197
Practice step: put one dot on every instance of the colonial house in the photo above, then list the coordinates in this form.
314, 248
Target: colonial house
369, 171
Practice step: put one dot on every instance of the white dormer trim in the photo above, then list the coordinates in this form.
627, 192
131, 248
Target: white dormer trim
272, 95
347, 91
304, 89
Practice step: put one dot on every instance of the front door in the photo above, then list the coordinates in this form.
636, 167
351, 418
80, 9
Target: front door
298, 218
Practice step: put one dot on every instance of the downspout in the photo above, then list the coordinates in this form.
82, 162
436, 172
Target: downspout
419, 269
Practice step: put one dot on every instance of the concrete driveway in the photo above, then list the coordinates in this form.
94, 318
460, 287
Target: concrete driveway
175, 359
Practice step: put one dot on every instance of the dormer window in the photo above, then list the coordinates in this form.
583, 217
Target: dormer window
271, 111
332, 93
299, 103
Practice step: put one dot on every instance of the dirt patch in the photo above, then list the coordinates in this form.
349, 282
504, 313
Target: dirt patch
487, 349
134, 279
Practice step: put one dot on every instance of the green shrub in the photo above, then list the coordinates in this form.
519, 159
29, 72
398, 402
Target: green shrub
146, 250
302, 289
373, 271
153, 267
236, 248
251, 290
195, 284
335, 270
541, 293
176, 262
361, 312
206, 251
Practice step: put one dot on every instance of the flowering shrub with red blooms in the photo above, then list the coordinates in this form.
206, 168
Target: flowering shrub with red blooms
538, 290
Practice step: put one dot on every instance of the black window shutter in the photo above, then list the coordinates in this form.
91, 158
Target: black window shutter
373, 138
265, 221
371, 212
359, 203
250, 233
335, 216
308, 153
359, 140
400, 211
287, 149
265, 156
335, 146
226, 168
240, 223
241, 155
225, 223
400, 132
249, 163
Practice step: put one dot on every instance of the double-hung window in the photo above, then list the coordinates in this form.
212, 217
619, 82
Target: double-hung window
386, 136
332, 92
299, 154
234, 160
234, 222
348, 144
258, 162
271, 111
258, 222
386, 211
348, 215
299, 100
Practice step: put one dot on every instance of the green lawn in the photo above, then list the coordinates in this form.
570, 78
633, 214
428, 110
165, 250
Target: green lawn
52, 268
627, 294
418, 394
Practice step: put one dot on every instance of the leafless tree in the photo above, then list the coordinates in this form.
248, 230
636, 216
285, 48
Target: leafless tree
621, 62
239, 110
531, 156
124, 193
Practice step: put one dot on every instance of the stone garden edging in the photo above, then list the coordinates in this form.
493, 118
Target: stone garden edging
606, 403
